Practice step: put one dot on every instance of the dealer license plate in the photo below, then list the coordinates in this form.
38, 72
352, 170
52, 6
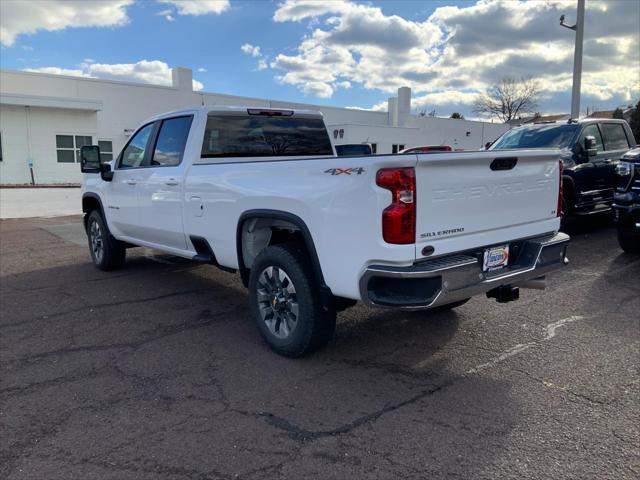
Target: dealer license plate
495, 258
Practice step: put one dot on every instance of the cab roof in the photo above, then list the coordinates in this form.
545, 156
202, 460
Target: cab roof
239, 110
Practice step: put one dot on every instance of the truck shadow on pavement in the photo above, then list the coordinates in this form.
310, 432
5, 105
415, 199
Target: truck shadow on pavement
156, 371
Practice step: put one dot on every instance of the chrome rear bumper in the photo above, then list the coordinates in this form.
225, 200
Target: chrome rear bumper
455, 277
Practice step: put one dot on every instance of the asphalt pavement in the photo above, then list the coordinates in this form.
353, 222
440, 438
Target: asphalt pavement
156, 372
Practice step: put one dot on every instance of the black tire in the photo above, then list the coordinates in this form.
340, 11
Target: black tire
452, 305
291, 332
629, 241
107, 253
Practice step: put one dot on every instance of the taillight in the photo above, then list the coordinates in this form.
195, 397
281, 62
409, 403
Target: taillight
561, 170
399, 218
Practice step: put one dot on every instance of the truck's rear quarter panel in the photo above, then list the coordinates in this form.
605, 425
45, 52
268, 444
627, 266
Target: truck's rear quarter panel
341, 210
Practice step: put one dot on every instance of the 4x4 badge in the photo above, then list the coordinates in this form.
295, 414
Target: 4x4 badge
346, 171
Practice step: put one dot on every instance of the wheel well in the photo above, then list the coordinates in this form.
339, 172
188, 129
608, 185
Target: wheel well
89, 204
259, 233
259, 229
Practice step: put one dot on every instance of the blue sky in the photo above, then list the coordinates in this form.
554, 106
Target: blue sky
333, 52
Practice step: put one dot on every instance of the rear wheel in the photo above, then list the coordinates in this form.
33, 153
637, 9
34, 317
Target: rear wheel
285, 303
107, 253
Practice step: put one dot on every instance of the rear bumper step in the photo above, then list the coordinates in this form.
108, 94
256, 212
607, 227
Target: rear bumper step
455, 277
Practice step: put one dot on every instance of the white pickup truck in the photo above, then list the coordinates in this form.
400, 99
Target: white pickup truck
260, 191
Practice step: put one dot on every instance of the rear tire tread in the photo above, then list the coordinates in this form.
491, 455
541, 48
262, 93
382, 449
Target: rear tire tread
315, 329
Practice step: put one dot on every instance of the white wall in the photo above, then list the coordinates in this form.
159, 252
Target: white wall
38, 143
13, 168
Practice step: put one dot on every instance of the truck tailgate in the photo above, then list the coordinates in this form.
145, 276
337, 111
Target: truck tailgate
470, 199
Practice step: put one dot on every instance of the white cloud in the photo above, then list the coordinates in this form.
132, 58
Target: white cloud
202, 69
145, 71
27, 17
251, 50
296, 10
457, 52
255, 52
167, 14
198, 7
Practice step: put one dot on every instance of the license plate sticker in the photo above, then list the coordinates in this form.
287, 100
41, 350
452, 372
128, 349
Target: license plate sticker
495, 258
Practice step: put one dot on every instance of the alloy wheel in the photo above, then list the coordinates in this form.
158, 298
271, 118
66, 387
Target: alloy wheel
277, 301
97, 244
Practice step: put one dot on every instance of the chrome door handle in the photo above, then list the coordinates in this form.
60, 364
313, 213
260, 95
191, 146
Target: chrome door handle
171, 182
131, 181
607, 160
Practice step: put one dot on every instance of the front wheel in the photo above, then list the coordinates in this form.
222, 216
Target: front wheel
107, 253
629, 240
285, 303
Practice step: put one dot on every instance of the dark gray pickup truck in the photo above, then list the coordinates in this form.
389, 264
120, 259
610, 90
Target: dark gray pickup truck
627, 201
590, 148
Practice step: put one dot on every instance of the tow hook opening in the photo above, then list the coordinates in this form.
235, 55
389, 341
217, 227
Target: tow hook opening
504, 293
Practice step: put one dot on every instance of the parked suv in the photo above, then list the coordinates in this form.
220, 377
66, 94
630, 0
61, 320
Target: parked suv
590, 148
627, 201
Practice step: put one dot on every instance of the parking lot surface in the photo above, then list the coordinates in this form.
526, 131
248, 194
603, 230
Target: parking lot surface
156, 372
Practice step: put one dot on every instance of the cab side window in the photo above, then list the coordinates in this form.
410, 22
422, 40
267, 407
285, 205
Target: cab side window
133, 155
592, 131
171, 142
614, 136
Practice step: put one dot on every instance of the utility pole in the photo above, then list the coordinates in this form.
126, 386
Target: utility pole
577, 58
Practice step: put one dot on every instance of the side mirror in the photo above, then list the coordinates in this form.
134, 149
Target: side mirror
90, 159
590, 146
487, 145
105, 172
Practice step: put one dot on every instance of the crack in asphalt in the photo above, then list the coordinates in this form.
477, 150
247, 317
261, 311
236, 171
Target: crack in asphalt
297, 433
106, 305
164, 332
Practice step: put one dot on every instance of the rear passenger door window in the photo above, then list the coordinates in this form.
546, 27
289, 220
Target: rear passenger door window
614, 136
171, 142
134, 154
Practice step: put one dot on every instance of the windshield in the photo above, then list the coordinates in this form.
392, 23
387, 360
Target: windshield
537, 136
264, 136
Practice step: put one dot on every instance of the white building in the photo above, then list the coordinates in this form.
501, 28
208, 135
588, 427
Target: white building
44, 119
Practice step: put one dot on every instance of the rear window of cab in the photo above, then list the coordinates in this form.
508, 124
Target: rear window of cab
264, 136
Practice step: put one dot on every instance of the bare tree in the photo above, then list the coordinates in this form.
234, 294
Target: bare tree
508, 99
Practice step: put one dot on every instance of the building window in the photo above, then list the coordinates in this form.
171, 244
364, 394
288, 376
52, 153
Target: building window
106, 150
374, 148
395, 148
68, 147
